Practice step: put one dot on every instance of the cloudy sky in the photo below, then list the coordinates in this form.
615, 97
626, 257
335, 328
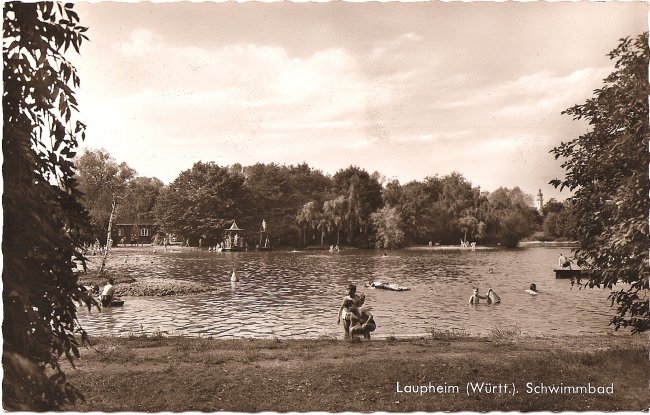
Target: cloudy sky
406, 89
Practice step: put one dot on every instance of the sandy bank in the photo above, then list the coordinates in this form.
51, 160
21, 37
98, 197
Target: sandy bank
448, 248
559, 244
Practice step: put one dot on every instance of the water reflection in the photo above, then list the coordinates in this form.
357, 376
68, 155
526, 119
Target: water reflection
298, 294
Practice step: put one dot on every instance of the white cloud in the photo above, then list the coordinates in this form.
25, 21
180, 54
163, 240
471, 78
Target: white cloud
503, 144
377, 52
435, 137
241, 102
410, 36
530, 94
542, 93
141, 42
390, 47
357, 144
246, 89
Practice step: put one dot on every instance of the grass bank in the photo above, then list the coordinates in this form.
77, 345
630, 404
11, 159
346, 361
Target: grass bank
157, 374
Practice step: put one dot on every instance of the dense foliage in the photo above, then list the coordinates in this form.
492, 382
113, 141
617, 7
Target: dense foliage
43, 221
278, 193
510, 216
104, 181
202, 201
559, 223
302, 206
362, 197
141, 199
389, 228
607, 169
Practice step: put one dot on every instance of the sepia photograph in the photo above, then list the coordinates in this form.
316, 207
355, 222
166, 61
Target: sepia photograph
325, 207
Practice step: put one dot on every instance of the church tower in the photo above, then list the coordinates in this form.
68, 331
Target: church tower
539, 201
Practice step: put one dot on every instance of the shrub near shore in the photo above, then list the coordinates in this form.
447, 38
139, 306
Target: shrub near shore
157, 373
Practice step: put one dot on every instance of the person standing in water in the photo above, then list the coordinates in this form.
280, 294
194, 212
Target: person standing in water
476, 297
490, 296
345, 311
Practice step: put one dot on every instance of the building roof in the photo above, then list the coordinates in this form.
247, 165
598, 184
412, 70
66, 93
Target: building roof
234, 227
141, 222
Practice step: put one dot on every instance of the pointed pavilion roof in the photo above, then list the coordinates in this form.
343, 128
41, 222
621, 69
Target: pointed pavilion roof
234, 227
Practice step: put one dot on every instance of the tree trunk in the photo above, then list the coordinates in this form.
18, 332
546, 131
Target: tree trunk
322, 236
108, 237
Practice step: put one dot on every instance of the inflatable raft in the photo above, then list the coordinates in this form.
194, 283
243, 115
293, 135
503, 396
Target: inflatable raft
492, 297
386, 286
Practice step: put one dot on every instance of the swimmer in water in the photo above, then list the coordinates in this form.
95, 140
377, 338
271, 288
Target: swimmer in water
476, 297
532, 290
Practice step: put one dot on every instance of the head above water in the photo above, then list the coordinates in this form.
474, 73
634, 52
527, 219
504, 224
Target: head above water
475, 290
111, 281
533, 287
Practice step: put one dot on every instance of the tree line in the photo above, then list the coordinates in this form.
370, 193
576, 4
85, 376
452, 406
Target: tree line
303, 206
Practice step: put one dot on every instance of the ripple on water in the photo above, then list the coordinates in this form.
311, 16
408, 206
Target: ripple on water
297, 295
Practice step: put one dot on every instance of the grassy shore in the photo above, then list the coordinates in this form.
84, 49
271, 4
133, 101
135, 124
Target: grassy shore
157, 373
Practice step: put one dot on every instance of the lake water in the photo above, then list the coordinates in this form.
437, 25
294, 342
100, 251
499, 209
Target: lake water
287, 294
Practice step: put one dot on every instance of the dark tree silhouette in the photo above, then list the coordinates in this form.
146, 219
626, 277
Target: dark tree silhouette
607, 169
43, 220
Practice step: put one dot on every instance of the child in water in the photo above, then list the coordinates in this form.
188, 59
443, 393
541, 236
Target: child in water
532, 290
476, 297
491, 297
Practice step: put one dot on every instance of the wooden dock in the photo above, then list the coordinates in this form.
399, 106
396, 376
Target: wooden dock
568, 273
